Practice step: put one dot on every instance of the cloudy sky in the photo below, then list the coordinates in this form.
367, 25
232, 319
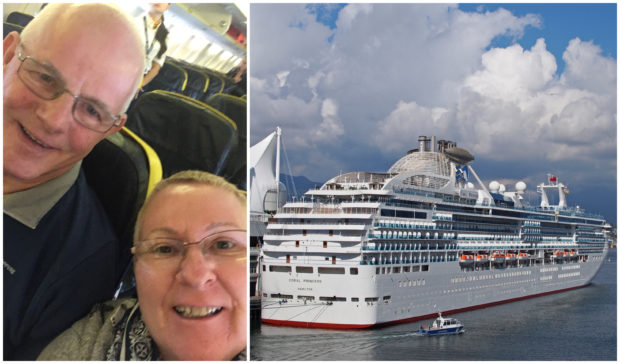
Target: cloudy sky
528, 89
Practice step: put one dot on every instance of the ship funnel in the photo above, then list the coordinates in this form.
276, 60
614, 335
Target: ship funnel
422, 143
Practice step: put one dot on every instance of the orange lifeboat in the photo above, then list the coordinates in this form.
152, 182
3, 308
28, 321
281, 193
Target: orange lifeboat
482, 258
466, 259
497, 257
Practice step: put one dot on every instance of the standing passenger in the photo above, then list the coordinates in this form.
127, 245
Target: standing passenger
156, 35
68, 80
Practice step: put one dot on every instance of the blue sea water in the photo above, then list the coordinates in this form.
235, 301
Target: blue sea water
575, 325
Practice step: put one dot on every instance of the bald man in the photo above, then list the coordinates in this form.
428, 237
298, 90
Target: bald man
68, 80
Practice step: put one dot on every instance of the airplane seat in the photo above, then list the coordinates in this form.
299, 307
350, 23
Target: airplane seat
216, 85
185, 133
9, 27
235, 89
235, 108
171, 77
197, 83
18, 18
122, 170
232, 106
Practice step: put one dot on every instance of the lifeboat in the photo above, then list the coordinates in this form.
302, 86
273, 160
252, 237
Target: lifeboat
558, 254
511, 257
497, 257
466, 259
523, 256
482, 258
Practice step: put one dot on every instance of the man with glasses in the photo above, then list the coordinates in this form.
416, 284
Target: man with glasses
68, 80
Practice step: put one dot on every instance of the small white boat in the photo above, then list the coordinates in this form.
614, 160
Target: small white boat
442, 326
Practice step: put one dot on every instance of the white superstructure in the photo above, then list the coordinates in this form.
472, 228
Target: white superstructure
378, 248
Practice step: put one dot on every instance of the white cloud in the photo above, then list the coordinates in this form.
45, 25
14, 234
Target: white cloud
331, 126
281, 76
393, 72
558, 121
512, 73
350, 12
587, 69
402, 127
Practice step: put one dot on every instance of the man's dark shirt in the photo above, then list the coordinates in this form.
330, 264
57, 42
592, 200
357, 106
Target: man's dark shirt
55, 273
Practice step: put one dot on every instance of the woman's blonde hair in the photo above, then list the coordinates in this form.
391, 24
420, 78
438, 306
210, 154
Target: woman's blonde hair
188, 177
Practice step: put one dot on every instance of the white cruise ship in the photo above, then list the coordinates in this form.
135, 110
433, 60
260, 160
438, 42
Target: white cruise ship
371, 249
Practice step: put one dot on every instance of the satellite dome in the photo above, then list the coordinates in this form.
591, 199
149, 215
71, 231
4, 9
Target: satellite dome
520, 186
470, 185
494, 186
502, 188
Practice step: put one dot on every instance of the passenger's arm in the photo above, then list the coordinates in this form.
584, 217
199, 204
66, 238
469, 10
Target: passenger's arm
151, 73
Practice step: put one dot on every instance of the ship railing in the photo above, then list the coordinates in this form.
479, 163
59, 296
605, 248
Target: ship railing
259, 216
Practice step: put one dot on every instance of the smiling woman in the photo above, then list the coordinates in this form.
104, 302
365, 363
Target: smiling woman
190, 258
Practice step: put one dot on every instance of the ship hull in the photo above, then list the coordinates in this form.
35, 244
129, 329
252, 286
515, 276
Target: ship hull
444, 287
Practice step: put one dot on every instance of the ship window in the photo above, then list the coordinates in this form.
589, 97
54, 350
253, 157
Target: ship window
396, 269
288, 258
355, 299
385, 298
425, 268
378, 270
389, 270
406, 269
303, 269
383, 270
279, 268
297, 244
415, 268
333, 259
279, 295
372, 299
330, 270
264, 294
407, 214
303, 232
308, 298
264, 267
331, 232
332, 299
324, 244
353, 271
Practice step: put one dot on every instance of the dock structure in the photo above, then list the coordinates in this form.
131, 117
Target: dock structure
255, 312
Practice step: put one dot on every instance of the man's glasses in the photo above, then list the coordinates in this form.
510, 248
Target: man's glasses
226, 245
48, 85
